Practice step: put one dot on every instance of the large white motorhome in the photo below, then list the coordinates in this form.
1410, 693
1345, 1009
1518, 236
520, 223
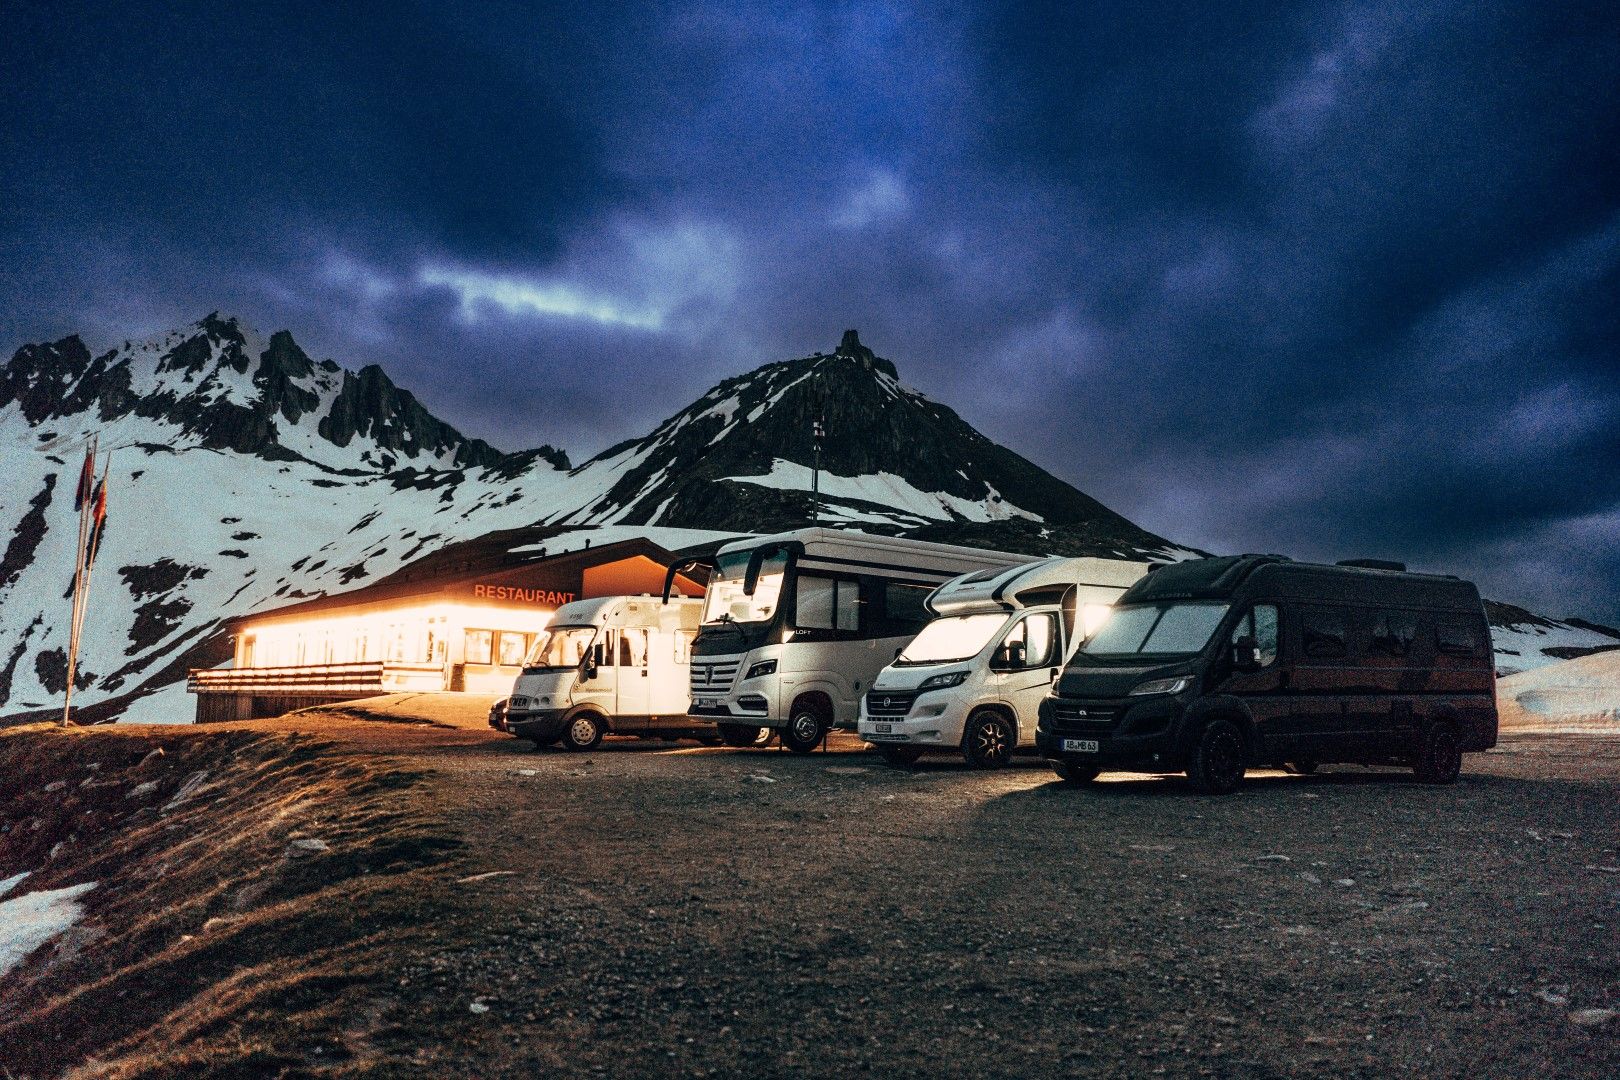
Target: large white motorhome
973, 680
612, 664
796, 626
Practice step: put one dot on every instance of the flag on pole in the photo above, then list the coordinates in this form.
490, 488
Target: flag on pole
87, 479
98, 523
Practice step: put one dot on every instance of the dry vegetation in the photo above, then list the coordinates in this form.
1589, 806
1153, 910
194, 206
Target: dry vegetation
247, 890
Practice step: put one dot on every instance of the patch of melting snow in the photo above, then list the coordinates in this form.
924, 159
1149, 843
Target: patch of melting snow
12, 882
30, 920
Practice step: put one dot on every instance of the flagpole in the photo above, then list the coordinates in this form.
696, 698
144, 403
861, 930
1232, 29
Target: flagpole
84, 500
92, 549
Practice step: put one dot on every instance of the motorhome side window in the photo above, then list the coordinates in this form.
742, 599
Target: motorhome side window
1259, 623
827, 604
1322, 633
1031, 643
633, 647
1455, 639
903, 604
1393, 633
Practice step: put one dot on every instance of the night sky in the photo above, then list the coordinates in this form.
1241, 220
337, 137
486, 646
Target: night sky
1327, 279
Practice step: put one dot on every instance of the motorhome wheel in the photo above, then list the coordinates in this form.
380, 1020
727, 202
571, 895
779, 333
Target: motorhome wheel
740, 734
988, 741
806, 727
1217, 764
900, 756
1076, 774
1440, 760
583, 732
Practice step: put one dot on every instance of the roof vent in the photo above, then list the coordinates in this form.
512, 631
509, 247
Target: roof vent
1374, 564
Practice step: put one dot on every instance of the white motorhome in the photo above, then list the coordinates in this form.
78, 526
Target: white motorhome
612, 664
973, 680
796, 626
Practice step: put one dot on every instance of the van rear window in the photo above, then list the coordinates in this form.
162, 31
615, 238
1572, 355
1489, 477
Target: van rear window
1456, 639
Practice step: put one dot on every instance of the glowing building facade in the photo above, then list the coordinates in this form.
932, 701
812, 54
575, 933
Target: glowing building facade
461, 621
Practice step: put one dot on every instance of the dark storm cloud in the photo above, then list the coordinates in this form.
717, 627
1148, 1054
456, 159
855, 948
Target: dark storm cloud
1327, 278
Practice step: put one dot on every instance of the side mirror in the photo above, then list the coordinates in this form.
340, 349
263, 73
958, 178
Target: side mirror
1016, 652
756, 561
1246, 654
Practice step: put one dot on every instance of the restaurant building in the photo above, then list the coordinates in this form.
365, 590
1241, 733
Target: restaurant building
461, 620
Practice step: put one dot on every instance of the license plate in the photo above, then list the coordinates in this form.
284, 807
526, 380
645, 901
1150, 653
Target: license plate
706, 702
884, 729
1080, 746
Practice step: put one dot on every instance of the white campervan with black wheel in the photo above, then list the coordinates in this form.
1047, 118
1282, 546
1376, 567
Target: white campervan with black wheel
613, 664
973, 680
796, 626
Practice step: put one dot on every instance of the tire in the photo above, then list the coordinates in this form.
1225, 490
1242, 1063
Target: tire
1217, 764
807, 725
583, 731
740, 734
1075, 774
1303, 767
987, 741
899, 757
1440, 758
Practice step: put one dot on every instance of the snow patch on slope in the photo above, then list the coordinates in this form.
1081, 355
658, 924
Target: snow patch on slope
888, 490
32, 919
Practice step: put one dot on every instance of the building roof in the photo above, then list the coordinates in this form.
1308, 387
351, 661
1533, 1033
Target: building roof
512, 556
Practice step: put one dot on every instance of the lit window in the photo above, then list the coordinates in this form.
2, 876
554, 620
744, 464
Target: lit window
480, 646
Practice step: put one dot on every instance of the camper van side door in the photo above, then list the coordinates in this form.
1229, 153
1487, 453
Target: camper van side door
1024, 664
1259, 679
635, 682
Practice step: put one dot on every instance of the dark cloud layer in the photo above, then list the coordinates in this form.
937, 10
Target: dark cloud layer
1327, 278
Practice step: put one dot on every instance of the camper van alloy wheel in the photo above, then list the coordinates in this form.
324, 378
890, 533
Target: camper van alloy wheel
988, 741
740, 734
1217, 763
583, 732
1440, 760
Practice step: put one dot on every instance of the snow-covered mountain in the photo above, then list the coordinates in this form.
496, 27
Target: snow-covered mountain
246, 475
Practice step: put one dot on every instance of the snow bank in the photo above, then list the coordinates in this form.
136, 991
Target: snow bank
32, 919
1580, 696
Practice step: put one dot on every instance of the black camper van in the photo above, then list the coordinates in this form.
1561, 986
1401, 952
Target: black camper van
1215, 665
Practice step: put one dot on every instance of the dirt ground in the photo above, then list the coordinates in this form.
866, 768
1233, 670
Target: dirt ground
665, 909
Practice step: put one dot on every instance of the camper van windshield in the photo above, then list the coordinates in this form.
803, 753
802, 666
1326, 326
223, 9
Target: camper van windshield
955, 637
725, 601
560, 647
1161, 629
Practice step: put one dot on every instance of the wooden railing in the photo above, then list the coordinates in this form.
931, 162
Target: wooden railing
375, 677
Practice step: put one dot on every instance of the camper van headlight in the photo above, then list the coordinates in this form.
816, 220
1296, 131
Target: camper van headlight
942, 682
1163, 686
764, 667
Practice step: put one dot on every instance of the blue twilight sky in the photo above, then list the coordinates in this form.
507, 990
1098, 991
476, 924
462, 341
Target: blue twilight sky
1332, 279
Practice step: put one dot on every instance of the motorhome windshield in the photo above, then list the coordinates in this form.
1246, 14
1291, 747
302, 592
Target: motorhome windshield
1160, 629
560, 647
954, 637
725, 601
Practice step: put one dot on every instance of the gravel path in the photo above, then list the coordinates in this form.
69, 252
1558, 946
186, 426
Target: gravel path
649, 910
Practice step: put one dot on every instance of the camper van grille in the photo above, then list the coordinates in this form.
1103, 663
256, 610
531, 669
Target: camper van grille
1082, 716
713, 678
889, 704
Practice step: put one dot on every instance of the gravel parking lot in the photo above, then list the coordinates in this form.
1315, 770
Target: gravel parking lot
672, 910
741, 912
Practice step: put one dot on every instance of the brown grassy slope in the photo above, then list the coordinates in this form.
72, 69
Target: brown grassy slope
215, 942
